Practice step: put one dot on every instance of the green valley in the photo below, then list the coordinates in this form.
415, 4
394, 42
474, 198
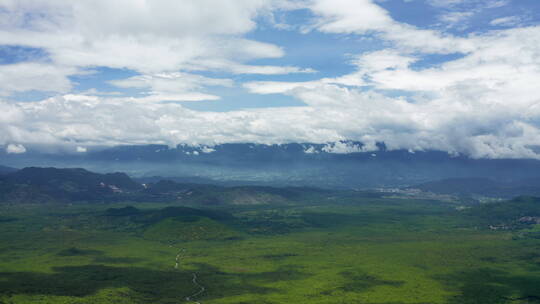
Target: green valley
344, 249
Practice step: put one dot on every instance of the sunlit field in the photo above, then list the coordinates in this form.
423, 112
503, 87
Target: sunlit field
356, 251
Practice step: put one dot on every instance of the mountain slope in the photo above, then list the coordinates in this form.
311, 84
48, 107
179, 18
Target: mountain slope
36, 185
6, 170
48, 184
81, 178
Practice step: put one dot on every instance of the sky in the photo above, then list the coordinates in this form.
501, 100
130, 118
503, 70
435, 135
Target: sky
460, 76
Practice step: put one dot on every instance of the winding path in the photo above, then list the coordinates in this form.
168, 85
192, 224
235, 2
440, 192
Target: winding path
202, 289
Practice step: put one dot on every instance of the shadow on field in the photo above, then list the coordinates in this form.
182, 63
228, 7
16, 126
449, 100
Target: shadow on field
85, 280
75, 252
222, 284
151, 285
359, 281
491, 286
98, 255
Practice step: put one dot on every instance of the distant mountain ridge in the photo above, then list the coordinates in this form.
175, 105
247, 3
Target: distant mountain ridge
35, 185
41, 185
52, 184
82, 178
314, 165
6, 170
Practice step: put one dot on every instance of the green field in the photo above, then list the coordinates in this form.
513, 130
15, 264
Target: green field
351, 251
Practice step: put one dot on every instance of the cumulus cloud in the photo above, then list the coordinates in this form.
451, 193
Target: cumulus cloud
482, 103
452, 123
365, 17
15, 149
28, 76
146, 36
149, 37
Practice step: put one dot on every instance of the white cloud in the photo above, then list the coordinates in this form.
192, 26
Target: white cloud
364, 16
457, 13
81, 149
383, 60
26, 76
341, 147
311, 150
451, 122
268, 70
149, 37
346, 16
173, 86
207, 150
506, 21
15, 149
146, 36
497, 3
455, 17
171, 82
277, 87
483, 104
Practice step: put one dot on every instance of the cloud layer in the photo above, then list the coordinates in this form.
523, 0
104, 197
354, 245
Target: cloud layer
482, 102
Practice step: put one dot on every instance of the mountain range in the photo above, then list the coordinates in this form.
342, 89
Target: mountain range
44, 185
38, 185
314, 165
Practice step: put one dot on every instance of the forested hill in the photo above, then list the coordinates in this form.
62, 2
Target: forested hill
51, 184
42, 185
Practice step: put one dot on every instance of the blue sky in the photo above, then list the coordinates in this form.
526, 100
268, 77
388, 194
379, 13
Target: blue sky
328, 54
451, 75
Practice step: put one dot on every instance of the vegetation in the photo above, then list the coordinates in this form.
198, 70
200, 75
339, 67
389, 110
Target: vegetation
347, 249
518, 213
473, 187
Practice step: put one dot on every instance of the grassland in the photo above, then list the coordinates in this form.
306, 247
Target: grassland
352, 251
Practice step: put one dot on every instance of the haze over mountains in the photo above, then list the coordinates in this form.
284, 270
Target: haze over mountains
45, 185
314, 165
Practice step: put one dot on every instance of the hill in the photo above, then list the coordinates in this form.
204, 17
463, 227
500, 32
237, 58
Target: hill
79, 178
6, 170
202, 194
37, 185
53, 184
